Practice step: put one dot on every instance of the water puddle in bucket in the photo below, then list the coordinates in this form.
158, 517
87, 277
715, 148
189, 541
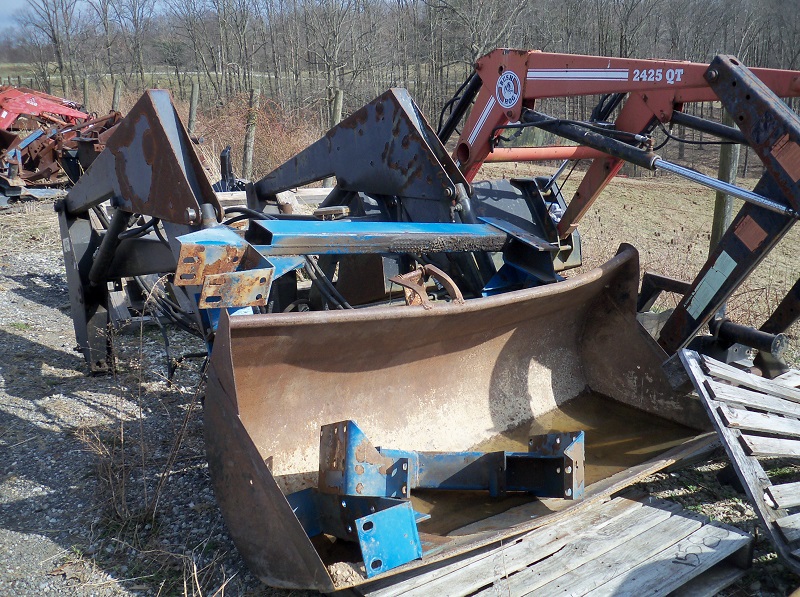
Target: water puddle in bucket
617, 437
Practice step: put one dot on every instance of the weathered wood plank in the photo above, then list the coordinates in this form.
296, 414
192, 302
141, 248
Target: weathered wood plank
597, 571
675, 565
591, 544
747, 380
790, 527
786, 495
744, 397
763, 423
537, 544
791, 378
710, 582
756, 445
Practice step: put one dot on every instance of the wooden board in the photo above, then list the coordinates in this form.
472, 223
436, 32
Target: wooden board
790, 527
786, 495
710, 582
746, 398
757, 445
540, 544
610, 544
791, 378
746, 420
708, 377
742, 378
604, 542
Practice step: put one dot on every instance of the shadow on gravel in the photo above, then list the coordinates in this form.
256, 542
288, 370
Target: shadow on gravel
113, 471
49, 290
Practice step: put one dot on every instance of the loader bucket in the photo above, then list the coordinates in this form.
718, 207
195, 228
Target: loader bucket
449, 378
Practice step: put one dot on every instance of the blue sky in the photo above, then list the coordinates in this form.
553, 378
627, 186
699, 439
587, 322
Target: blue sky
8, 8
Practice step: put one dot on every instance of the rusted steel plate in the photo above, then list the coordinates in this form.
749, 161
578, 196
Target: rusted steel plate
149, 165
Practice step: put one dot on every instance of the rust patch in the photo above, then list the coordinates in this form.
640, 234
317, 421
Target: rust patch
359, 488
359, 469
787, 154
750, 233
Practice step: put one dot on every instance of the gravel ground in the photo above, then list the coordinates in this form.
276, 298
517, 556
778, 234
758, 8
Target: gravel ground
104, 488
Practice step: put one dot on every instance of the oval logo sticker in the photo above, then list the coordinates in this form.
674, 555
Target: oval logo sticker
508, 89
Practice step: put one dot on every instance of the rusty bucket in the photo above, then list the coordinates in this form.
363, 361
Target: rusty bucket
447, 378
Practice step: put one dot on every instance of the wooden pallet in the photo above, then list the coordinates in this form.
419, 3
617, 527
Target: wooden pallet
631, 545
756, 417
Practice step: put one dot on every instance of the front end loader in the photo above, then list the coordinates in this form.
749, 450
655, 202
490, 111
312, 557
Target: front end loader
412, 374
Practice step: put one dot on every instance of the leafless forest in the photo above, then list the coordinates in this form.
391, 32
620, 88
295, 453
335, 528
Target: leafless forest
325, 57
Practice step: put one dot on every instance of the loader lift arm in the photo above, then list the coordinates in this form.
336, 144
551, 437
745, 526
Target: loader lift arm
507, 83
511, 81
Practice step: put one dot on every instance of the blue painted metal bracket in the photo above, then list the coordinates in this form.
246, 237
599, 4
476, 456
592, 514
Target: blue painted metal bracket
292, 237
553, 467
385, 528
363, 491
350, 465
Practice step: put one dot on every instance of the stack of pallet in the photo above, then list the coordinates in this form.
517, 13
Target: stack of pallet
756, 418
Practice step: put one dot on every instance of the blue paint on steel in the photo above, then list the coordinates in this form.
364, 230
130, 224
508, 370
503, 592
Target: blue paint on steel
386, 529
547, 470
350, 465
30, 139
285, 264
285, 237
388, 539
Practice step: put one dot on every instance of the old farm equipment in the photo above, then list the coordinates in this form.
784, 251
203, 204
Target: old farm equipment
433, 353
62, 140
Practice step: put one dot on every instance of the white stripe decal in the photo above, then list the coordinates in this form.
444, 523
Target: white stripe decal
482, 120
586, 74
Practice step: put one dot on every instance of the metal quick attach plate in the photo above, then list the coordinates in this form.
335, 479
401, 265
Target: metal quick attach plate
388, 538
215, 250
236, 289
385, 528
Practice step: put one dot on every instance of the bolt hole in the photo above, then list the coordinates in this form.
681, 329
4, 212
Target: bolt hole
500, 70
375, 564
213, 299
733, 83
741, 118
262, 280
747, 97
234, 259
259, 296
368, 526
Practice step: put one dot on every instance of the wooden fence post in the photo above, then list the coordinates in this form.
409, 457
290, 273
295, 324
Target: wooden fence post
116, 97
86, 94
723, 204
193, 107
